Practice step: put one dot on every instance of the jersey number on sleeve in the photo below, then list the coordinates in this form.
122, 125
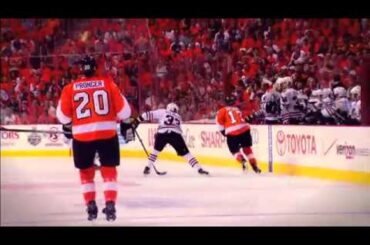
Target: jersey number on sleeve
101, 103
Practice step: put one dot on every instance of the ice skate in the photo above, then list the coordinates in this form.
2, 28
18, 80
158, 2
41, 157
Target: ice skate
110, 211
201, 171
146, 170
256, 169
92, 210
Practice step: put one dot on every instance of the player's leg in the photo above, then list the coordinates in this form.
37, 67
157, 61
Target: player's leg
234, 148
110, 158
83, 156
178, 143
246, 143
159, 143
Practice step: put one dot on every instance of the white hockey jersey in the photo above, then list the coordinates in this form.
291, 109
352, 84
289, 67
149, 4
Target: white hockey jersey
290, 107
270, 106
168, 121
343, 105
338, 111
356, 110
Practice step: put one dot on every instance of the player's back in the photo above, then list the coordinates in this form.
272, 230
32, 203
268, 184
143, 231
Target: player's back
93, 104
231, 119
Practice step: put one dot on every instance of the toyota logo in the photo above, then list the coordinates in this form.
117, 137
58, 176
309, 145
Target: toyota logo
280, 144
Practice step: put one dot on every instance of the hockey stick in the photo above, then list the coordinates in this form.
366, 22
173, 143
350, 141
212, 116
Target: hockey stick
146, 152
33, 131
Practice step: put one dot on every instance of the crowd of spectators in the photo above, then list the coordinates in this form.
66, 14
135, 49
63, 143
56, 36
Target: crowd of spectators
193, 62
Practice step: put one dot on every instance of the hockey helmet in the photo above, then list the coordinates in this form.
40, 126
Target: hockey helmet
355, 92
230, 100
327, 93
339, 92
172, 107
88, 66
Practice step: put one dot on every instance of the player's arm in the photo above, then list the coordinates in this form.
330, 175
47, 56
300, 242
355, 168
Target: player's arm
121, 105
65, 111
153, 115
220, 121
122, 109
148, 116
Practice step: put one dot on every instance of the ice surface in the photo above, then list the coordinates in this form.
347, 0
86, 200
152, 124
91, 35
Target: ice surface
46, 192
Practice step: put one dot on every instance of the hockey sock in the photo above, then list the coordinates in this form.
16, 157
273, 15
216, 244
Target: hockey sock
109, 175
248, 151
152, 158
193, 162
87, 184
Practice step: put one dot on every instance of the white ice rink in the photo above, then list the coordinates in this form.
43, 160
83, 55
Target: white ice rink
46, 192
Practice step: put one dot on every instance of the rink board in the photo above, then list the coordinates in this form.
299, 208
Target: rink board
336, 153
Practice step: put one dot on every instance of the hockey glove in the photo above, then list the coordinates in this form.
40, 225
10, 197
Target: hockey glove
127, 131
136, 121
67, 128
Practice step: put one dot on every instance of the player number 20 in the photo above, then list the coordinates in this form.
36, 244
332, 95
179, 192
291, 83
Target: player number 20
101, 104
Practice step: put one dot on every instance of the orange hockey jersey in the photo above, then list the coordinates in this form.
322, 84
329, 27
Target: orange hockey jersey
93, 106
230, 119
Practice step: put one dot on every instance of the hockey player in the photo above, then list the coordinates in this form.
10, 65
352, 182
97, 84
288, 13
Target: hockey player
291, 110
237, 132
314, 106
270, 108
89, 107
169, 132
327, 97
338, 112
302, 104
355, 113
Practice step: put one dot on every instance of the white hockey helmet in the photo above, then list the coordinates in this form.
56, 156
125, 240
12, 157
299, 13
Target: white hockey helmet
302, 97
317, 93
327, 93
172, 107
355, 92
339, 92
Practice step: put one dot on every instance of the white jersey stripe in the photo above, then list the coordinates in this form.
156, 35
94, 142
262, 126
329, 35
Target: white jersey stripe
63, 119
236, 127
92, 127
125, 112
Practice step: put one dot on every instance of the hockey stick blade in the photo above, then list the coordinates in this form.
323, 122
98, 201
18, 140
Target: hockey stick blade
159, 172
147, 154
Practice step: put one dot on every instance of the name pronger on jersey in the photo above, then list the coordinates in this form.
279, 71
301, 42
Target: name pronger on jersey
88, 85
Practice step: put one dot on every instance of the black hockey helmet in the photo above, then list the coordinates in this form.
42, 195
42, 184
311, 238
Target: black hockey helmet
230, 100
88, 66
